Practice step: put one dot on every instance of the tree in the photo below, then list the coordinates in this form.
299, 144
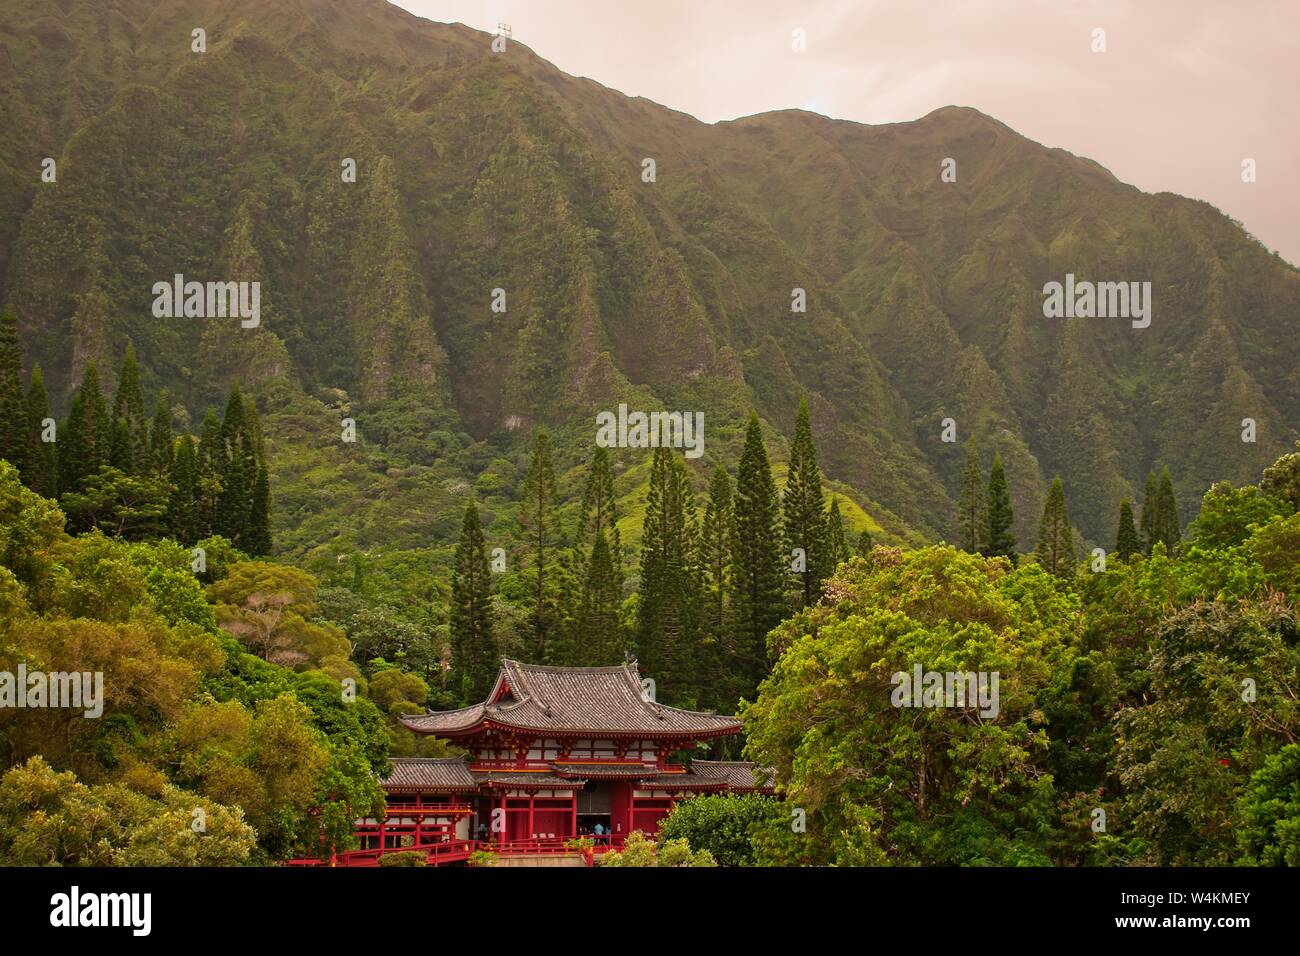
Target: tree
234, 502
1282, 478
212, 465
1167, 526
537, 516
668, 605
118, 504
129, 451
41, 472
598, 513
717, 542
183, 504
1127, 542
999, 539
272, 609
805, 519
13, 409
86, 438
160, 436
473, 648
1150, 510
640, 850
726, 825
970, 504
598, 627
758, 568
1055, 551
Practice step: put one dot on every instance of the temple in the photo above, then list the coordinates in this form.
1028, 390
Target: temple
554, 753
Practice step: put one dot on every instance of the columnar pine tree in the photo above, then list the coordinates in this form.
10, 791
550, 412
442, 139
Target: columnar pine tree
999, 539
212, 465
1127, 543
865, 544
13, 408
1055, 551
1167, 526
129, 451
598, 622
183, 504
473, 648
804, 512
837, 547
233, 503
541, 531
1150, 509
599, 514
970, 504
160, 436
668, 605
717, 542
42, 463
85, 440
757, 563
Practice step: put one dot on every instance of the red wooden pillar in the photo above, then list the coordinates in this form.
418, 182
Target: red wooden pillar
532, 798
574, 820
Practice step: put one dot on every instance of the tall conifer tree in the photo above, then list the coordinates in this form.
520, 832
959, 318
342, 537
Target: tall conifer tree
865, 544
668, 606
1167, 526
1127, 543
758, 564
804, 511
160, 435
1150, 511
212, 465
971, 504
13, 407
42, 463
999, 539
129, 452
598, 623
183, 504
541, 531
473, 647
1055, 551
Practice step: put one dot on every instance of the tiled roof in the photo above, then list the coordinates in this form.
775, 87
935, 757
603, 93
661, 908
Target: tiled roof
737, 774
430, 774
575, 700
680, 782
597, 771
526, 781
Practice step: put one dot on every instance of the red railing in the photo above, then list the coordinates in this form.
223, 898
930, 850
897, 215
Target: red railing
455, 851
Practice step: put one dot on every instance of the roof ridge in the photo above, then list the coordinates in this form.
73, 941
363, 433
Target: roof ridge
562, 669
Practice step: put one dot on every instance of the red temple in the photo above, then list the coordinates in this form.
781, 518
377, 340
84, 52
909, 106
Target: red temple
555, 752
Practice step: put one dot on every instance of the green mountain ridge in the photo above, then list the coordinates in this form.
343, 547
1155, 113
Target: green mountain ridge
479, 171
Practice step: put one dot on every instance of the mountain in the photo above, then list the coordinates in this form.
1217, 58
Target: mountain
479, 171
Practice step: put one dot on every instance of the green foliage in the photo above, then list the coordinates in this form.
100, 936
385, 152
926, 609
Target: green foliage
971, 502
1055, 551
731, 827
640, 850
1127, 542
757, 564
1270, 812
805, 519
473, 646
998, 539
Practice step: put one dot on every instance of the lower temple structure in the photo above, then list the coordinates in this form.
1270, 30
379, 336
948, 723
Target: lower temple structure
555, 753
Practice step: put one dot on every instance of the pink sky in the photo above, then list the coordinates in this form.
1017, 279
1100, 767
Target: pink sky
1184, 92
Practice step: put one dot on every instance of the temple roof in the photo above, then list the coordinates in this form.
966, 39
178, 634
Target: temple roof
573, 700
736, 774
430, 775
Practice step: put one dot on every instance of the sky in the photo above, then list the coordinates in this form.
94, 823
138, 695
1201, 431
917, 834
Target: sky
1183, 93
